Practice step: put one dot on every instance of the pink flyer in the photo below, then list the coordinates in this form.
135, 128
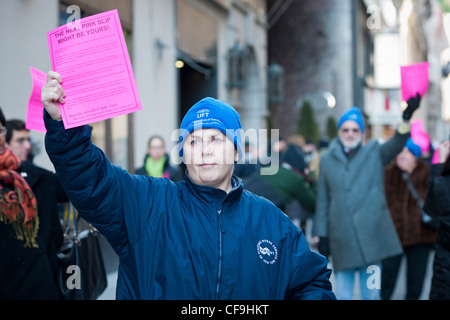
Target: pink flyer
35, 110
92, 58
414, 79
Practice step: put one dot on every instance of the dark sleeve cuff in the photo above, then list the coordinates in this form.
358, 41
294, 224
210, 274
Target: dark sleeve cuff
52, 126
59, 139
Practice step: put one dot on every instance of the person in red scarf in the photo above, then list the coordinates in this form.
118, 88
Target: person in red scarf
30, 231
18, 205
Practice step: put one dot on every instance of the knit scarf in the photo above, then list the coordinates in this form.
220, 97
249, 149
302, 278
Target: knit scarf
155, 168
18, 205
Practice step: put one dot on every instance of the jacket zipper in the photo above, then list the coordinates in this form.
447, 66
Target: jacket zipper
219, 272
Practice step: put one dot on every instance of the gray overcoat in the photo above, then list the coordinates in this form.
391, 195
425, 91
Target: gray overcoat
351, 209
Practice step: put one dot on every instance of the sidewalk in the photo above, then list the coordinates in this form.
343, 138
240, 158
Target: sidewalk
110, 291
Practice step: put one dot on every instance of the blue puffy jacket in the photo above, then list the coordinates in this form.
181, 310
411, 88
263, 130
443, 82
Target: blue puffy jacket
183, 240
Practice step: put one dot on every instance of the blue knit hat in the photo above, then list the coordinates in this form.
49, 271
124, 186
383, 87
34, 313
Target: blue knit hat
353, 114
413, 147
210, 113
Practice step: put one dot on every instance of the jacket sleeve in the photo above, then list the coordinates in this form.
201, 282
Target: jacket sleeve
391, 148
429, 198
305, 195
92, 183
310, 276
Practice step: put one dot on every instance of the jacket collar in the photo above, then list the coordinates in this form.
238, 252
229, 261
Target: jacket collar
30, 175
337, 149
208, 193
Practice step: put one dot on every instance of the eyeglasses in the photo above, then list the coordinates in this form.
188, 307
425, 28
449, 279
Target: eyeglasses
3, 131
346, 130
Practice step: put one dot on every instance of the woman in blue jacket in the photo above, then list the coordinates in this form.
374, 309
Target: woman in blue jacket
202, 238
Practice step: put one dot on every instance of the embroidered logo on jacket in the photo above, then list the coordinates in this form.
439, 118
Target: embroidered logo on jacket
267, 251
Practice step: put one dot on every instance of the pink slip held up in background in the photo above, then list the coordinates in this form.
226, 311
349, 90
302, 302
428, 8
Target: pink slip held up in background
35, 109
414, 79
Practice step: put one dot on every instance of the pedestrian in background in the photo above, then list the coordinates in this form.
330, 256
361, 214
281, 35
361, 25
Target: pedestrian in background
291, 182
30, 232
18, 139
312, 158
250, 164
437, 204
157, 162
351, 219
417, 240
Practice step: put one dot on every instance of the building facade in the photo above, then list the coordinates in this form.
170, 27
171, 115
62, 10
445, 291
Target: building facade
324, 50
352, 51
181, 51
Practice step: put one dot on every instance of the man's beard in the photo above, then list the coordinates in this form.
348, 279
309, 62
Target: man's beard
351, 145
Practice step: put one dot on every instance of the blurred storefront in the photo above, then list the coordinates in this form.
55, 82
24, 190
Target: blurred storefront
408, 32
353, 50
325, 49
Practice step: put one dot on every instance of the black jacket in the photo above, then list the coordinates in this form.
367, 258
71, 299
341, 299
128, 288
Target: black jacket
30, 273
438, 203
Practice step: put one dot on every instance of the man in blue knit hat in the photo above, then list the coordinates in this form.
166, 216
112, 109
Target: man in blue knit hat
352, 220
205, 237
351, 135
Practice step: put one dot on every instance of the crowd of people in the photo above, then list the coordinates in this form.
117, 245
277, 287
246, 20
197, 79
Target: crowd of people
219, 227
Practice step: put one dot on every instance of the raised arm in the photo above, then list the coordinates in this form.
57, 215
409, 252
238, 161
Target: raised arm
91, 182
393, 146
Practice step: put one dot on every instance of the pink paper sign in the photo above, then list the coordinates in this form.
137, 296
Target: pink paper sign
414, 79
92, 58
35, 110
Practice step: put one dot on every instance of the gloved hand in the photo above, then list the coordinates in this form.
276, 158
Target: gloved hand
323, 247
413, 105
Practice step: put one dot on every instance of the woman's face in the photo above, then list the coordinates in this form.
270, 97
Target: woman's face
209, 157
406, 161
156, 149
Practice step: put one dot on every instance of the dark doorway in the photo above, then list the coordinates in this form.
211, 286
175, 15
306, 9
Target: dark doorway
195, 85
